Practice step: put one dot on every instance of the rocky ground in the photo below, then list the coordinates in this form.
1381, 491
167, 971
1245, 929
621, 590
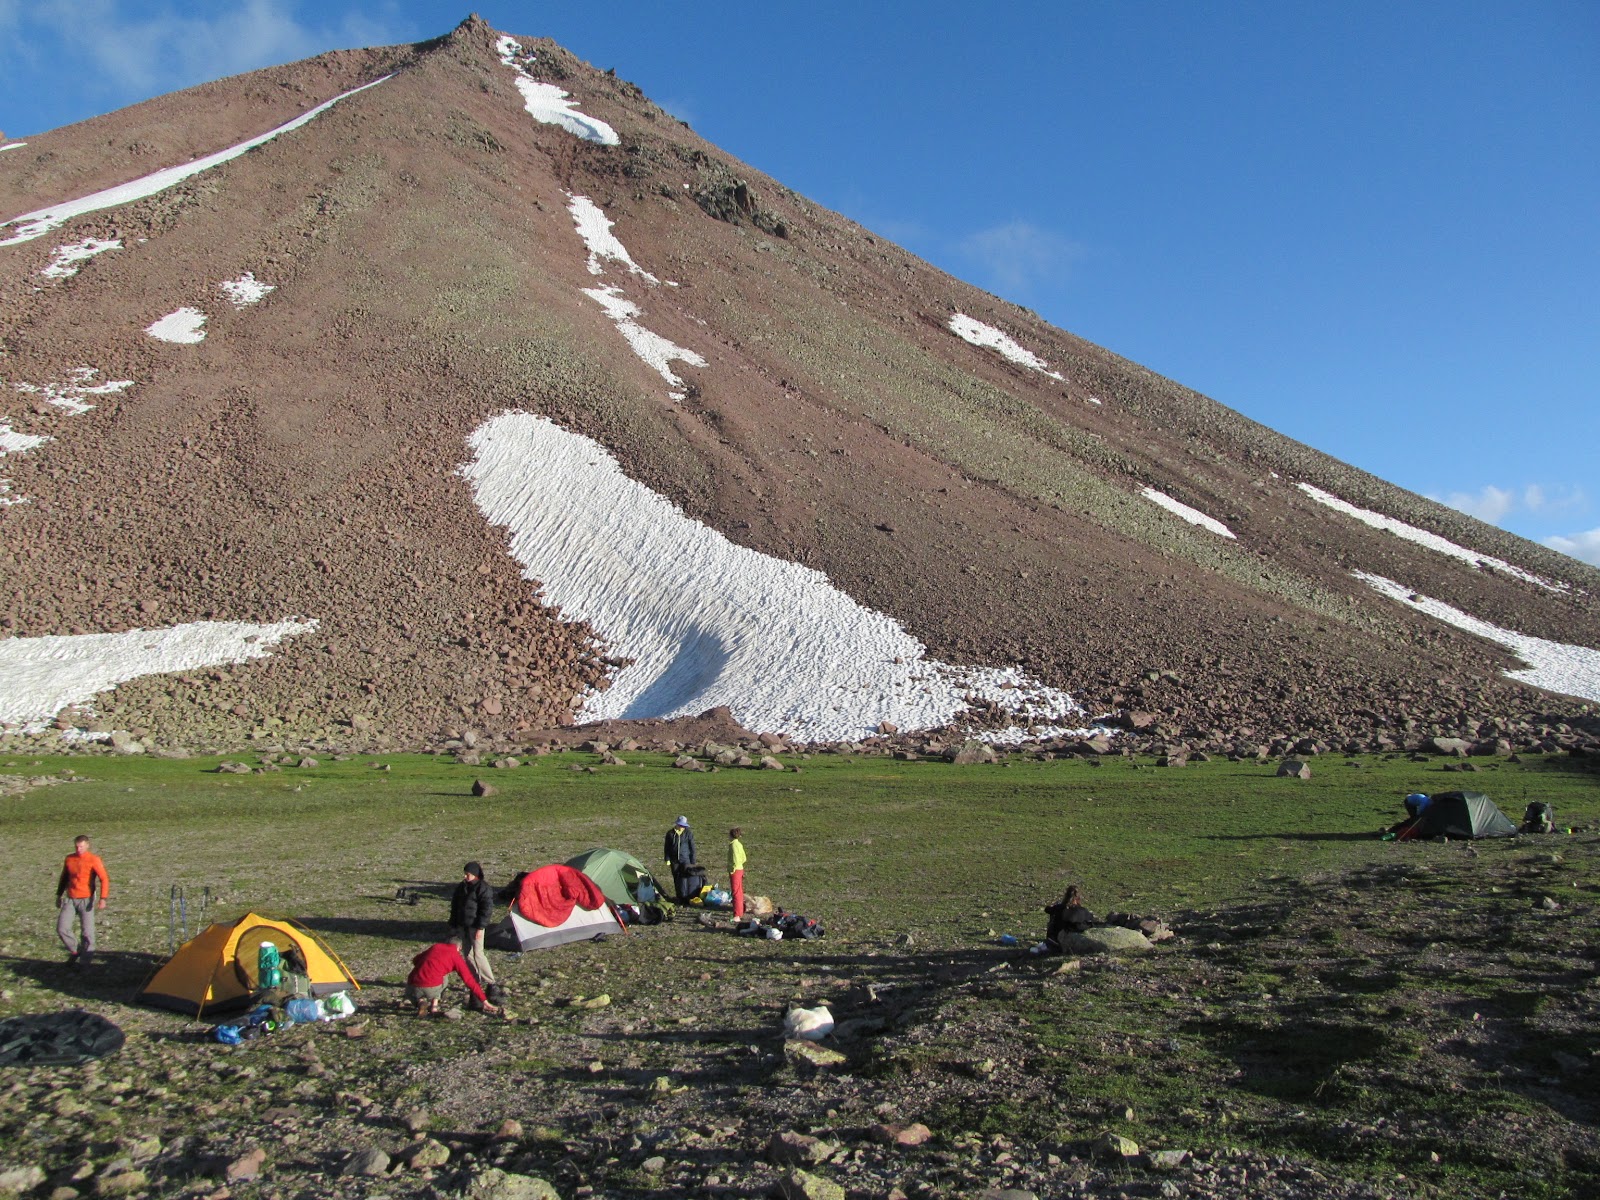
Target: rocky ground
1424, 1026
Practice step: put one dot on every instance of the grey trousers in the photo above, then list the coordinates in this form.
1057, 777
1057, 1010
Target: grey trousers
81, 913
470, 943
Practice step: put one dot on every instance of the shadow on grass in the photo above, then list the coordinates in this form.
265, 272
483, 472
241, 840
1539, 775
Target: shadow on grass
1370, 836
114, 976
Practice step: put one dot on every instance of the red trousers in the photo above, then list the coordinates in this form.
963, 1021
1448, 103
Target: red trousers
738, 892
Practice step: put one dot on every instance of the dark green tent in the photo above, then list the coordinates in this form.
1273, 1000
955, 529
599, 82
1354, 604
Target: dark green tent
1460, 815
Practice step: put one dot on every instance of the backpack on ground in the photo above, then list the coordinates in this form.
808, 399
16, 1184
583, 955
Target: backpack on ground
1538, 817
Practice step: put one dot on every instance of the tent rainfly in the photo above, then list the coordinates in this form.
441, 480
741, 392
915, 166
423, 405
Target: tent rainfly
216, 969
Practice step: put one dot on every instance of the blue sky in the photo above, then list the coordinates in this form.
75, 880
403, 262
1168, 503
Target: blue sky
1373, 227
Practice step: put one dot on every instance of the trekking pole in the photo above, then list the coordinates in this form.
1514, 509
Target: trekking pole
205, 905
172, 922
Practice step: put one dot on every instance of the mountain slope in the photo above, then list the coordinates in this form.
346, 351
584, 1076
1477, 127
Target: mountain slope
459, 242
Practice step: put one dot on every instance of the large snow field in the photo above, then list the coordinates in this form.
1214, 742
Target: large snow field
40, 676
1422, 537
1554, 666
38, 223
709, 622
970, 329
547, 103
1192, 515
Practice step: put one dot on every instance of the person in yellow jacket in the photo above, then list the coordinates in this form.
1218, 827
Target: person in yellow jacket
81, 873
736, 857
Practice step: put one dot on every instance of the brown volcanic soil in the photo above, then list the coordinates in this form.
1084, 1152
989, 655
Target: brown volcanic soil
302, 460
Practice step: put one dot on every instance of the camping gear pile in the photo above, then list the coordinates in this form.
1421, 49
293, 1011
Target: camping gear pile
627, 884
778, 925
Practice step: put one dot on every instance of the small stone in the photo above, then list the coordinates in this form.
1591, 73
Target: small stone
654, 1165
787, 1148
366, 1162
600, 1001
480, 788
1115, 1146
509, 1130
417, 1120
495, 1184
914, 1134
121, 1183
802, 1185
803, 1053
22, 1178
427, 1155
246, 1167
1166, 1160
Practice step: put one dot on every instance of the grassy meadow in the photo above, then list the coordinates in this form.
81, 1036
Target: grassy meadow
1409, 1019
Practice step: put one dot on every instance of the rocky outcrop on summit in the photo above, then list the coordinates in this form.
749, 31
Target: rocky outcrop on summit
786, 379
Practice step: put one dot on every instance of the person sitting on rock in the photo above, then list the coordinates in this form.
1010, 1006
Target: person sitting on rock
430, 970
1067, 915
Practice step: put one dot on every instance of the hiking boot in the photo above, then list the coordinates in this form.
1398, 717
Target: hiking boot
423, 1008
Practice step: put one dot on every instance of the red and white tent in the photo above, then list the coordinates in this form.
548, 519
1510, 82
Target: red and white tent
554, 905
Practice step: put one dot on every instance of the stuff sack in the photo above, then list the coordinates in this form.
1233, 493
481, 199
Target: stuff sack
719, 898
269, 967
1538, 817
303, 1011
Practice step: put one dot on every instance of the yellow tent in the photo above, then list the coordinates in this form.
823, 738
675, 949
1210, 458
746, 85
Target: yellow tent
217, 967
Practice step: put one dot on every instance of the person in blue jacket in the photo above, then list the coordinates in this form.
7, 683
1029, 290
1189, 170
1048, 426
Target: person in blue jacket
678, 850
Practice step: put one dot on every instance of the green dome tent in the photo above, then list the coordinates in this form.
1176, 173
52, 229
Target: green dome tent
616, 873
1460, 815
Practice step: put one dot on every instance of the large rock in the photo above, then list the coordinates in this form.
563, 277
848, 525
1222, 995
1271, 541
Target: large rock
802, 1185
19, 1179
1293, 768
495, 1184
1459, 747
789, 1149
1106, 939
366, 1162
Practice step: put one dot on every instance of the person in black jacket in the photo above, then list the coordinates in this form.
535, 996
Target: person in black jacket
471, 908
678, 850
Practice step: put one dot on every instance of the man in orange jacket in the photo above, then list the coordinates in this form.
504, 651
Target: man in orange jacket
81, 875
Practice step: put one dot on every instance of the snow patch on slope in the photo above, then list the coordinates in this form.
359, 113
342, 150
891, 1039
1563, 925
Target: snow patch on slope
69, 396
246, 289
37, 224
550, 105
186, 327
709, 622
40, 676
1193, 515
66, 261
969, 329
654, 349
1431, 541
1553, 666
594, 227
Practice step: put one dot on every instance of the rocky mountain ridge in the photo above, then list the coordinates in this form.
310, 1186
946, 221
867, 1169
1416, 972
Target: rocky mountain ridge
1009, 495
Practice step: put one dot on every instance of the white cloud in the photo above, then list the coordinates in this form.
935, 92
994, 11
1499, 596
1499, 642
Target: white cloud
1583, 546
152, 48
1494, 504
1017, 254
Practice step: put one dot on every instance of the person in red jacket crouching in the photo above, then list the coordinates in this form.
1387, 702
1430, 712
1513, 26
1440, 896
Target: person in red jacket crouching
431, 968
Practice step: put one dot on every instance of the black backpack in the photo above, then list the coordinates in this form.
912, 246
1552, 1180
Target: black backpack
1538, 817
